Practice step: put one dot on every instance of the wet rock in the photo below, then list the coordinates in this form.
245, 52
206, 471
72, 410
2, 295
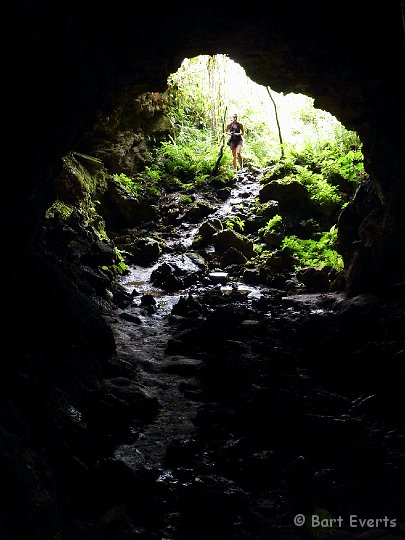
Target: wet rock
173, 283
159, 275
223, 193
252, 276
174, 216
217, 223
176, 346
168, 277
120, 296
268, 209
148, 300
272, 239
196, 260
250, 324
182, 365
173, 277
307, 228
259, 470
198, 211
111, 483
144, 251
337, 281
181, 453
92, 252
232, 256
118, 367
120, 209
315, 280
228, 238
187, 307
255, 221
277, 281
219, 277
130, 317
96, 278
291, 195
259, 275
207, 231
282, 260
149, 310
121, 401
209, 505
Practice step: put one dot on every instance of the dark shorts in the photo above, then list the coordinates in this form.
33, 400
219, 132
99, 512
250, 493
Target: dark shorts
235, 144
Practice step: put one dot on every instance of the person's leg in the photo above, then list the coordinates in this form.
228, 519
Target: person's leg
234, 155
239, 154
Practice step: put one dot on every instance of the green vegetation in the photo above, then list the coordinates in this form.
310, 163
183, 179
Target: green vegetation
142, 186
235, 223
59, 209
78, 185
317, 253
273, 225
116, 269
273, 232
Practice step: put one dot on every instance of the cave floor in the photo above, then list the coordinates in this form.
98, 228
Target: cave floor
271, 405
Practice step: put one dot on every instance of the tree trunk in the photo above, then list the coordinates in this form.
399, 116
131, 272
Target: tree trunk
214, 171
278, 123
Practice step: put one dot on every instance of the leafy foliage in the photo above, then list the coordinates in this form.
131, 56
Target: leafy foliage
317, 253
143, 186
321, 192
119, 268
61, 209
235, 223
273, 225
273, 232
191, 155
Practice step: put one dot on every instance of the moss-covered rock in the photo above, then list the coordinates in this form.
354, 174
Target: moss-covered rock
291, 194
228, 238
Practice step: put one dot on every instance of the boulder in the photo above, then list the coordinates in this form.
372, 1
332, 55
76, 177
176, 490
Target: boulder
228, 238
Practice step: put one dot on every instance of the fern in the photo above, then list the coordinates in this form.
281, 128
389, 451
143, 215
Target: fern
317, 253
235, 223
134, 188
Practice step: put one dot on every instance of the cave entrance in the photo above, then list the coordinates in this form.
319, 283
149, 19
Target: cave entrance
159, 164
206, 90
305, 159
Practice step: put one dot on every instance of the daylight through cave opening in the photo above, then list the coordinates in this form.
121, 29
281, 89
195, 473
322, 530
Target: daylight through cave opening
287, 140
151, 162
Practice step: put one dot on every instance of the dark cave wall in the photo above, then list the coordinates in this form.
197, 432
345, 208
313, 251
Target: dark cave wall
124, 137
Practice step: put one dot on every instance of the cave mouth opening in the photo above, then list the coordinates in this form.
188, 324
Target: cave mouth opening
207, 89
286, 138
148, 166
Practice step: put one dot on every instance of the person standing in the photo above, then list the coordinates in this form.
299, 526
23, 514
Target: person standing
235, 132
